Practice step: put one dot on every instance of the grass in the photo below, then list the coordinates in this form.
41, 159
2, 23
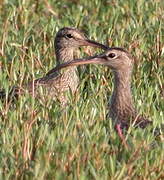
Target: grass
38, 140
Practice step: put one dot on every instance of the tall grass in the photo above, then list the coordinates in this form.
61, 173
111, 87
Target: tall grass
39, 140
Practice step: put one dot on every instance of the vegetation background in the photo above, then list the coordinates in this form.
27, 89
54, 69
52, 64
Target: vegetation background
38, 140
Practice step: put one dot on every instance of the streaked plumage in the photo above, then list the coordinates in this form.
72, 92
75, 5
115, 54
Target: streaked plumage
121, 107
67, 41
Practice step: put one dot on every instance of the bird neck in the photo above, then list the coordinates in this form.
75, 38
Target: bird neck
121, 101
65, 54
122, 82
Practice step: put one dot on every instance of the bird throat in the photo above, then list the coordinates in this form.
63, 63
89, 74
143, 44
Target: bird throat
64, 54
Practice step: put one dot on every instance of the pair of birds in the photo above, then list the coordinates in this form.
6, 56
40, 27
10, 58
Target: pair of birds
121, 107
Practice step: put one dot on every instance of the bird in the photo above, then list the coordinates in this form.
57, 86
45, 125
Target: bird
121, 107
67, 41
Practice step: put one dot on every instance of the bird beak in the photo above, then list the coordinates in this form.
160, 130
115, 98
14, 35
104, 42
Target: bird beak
88, 42
90, 60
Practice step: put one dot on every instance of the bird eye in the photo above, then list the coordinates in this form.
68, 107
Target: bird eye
69, 36
111, 55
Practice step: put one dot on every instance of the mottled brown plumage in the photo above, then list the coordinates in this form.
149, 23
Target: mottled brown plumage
67, 41
121, 107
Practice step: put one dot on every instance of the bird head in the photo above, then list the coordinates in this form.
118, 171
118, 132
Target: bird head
116, 58
68, 37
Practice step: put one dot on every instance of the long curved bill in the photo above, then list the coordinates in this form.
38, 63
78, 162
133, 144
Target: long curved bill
88, 42
90, 60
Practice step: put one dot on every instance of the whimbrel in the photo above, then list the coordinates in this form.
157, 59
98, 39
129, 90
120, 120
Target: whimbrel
67, 41
121, 107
